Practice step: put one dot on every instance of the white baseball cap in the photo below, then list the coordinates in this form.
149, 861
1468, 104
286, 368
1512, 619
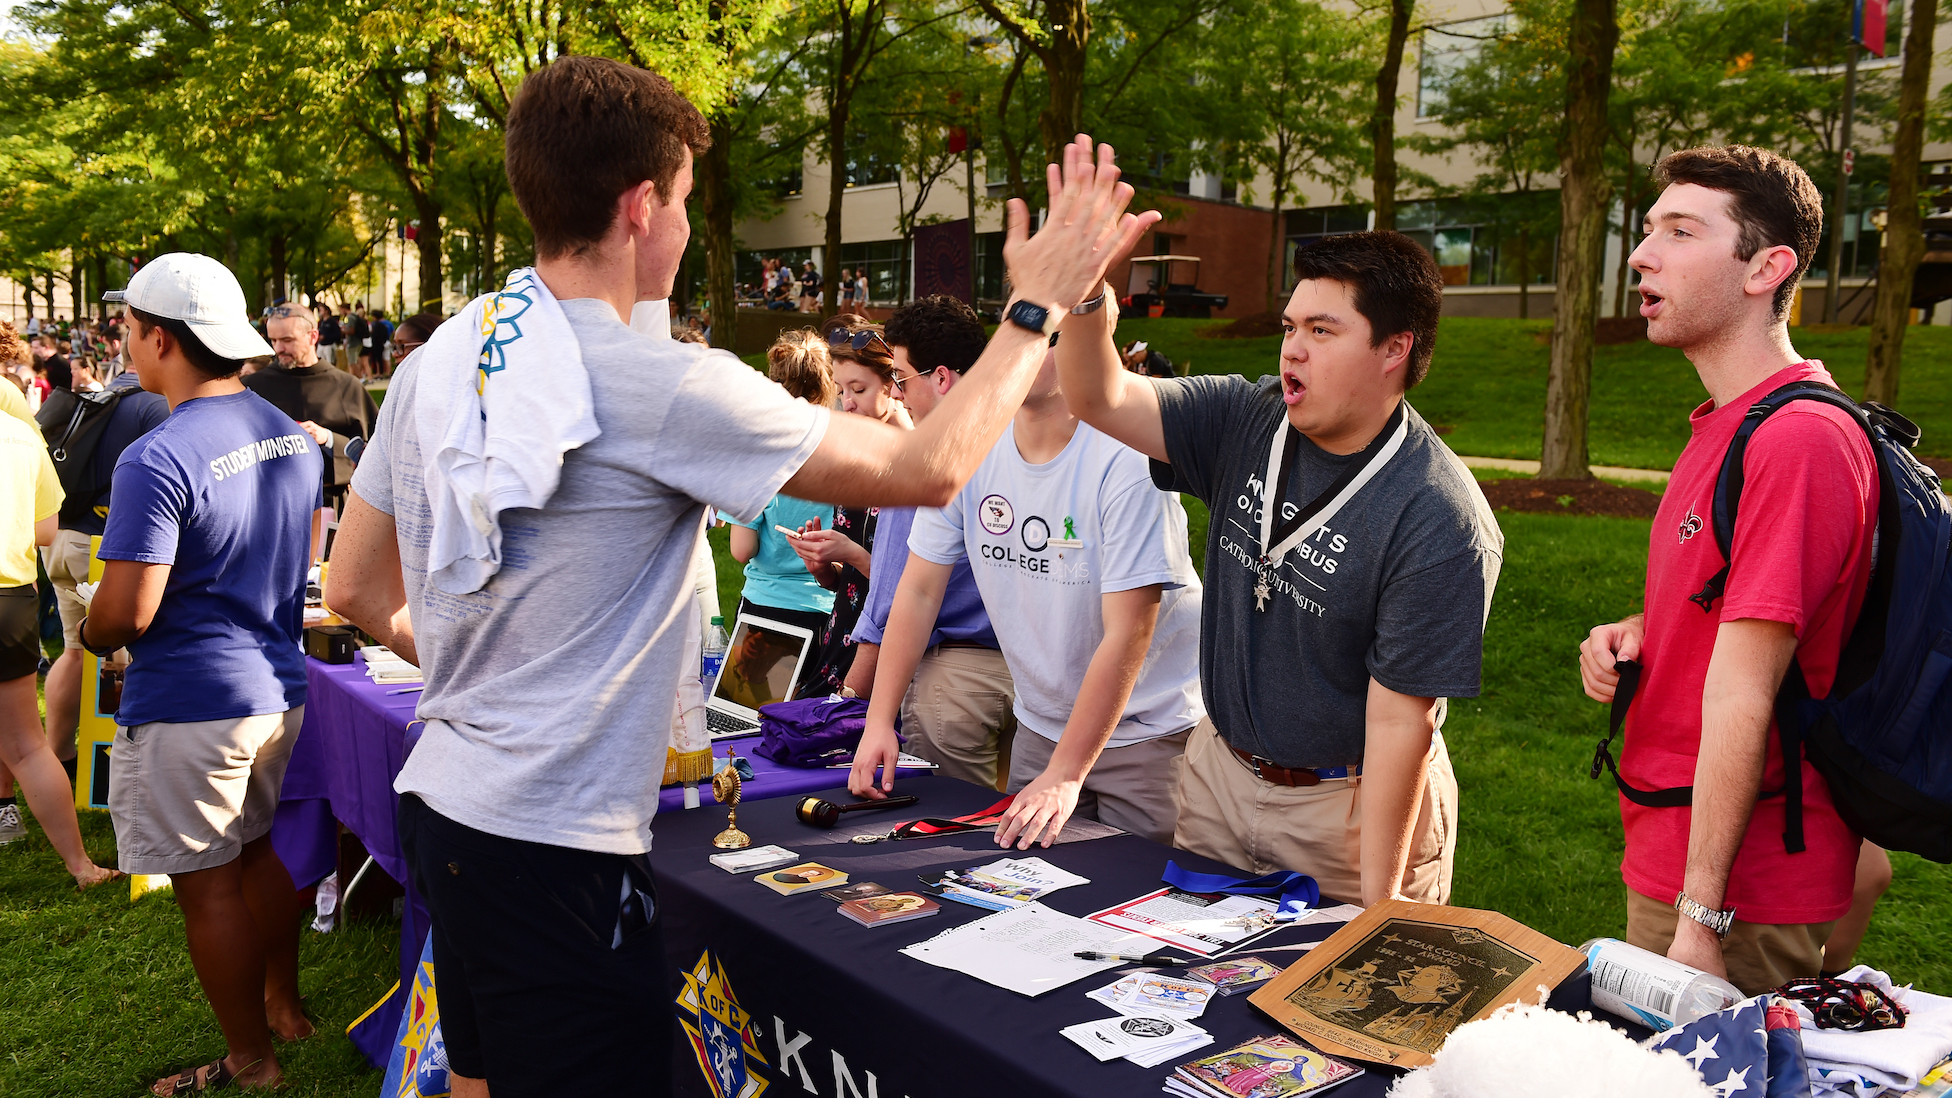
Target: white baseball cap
200, 292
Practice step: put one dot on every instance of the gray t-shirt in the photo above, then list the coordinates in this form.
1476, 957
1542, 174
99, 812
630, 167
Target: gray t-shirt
549, 691
1396, 587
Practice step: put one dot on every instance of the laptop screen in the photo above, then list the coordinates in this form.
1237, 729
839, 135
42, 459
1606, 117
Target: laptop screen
760, 664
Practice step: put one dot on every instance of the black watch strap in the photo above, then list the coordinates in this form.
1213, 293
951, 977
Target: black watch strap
81, 631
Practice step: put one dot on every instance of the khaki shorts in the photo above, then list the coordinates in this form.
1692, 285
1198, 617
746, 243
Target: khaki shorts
960, 713
1759, 956
1230, 815
1130, 787
188, 796
66, 561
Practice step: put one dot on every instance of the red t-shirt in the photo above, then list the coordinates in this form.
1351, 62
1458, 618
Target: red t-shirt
1802, 555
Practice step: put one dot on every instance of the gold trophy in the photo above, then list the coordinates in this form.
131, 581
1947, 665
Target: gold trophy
725, 786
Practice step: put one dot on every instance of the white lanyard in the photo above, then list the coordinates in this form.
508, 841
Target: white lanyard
1274, 488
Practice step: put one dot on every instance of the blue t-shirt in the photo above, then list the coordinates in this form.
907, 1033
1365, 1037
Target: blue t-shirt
776, 576
962, 617
223, 492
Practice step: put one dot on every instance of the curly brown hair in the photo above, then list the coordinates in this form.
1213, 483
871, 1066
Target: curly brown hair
800, 362
13, 347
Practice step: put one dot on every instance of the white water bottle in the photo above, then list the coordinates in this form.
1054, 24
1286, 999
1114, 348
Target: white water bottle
1645, 987
716, 642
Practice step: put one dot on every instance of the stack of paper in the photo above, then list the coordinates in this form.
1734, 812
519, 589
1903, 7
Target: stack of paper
387, 669
1003, 884
1029, 949
1268, 1067
1156, 994
1146, 1041
1203, 925
1236, 975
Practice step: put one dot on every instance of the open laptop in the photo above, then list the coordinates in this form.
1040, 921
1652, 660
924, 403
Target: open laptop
762, 663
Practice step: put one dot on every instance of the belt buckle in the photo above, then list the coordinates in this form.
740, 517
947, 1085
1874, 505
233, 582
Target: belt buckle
1256, 762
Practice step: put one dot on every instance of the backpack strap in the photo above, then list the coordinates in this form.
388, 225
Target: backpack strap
1678, 797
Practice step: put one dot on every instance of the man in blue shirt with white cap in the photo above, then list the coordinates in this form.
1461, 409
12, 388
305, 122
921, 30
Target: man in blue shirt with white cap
207, 546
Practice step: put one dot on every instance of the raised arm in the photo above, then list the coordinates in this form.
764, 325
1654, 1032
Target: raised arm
860, 461
1100, 390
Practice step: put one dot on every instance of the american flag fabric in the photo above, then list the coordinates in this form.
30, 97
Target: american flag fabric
1753, 1049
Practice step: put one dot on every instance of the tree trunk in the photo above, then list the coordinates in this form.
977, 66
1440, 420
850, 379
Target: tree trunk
74, 289
428, 242
275, 244
1276, 249
1012, 156
1628, 200
836, 192
1904, 235
27, 296
100, 283
1583, 194
1382, 124
47, 280
1524, 274
715, 209
1063, 117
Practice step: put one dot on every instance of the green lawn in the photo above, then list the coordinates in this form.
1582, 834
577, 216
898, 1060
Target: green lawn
1487, 383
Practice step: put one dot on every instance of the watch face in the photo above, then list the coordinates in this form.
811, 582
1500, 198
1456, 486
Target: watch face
1025, 315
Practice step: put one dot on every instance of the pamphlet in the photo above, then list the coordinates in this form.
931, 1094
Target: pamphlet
903, 761
1029, 949
1156, 994
753, 859
1003, 884
1266, 1067
895, 907
801, 878
1200, 924
1146, 1041
1236, 974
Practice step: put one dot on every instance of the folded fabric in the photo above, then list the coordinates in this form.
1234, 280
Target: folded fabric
1898, 1057
812, 731
1753, 1047
501, 396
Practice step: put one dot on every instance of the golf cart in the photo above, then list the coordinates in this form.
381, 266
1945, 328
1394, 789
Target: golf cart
1168, 285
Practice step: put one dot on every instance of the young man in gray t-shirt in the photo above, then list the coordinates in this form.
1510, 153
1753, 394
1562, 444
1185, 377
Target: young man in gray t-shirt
1330, 637
525, 808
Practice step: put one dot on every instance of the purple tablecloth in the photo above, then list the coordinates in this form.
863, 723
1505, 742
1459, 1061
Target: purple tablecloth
355, 738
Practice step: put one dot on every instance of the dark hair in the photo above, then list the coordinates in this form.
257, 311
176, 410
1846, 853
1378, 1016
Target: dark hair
582, 131
937, 331
1396, 285
1771, 200
207, 362
421, 324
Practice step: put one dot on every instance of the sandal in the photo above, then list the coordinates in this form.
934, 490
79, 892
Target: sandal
211, 1076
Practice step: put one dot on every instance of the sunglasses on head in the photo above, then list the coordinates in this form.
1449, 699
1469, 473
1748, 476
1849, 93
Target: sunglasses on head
859, 341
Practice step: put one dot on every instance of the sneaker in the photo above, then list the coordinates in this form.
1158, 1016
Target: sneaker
11, 828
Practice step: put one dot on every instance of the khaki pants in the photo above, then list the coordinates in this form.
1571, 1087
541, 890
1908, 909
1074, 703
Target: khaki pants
1759, 956
66, 561
1130, 787
1232, 816
960, 713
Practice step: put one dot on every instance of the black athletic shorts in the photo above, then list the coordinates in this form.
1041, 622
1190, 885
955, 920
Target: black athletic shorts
551, 980
20, 632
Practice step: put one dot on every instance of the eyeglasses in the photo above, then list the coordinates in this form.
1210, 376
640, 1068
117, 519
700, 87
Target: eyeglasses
1841, 1004
902, 382
859, 341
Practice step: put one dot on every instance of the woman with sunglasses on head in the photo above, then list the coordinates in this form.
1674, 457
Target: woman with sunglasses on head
778, 585
839, 557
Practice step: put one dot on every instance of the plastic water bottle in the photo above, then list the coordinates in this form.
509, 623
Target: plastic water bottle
1648, 988
716, 642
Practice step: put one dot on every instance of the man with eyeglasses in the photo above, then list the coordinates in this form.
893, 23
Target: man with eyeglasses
957, 710
330, 404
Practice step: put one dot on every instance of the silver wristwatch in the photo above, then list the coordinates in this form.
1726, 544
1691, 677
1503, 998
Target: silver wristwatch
1094, 304
1717, 921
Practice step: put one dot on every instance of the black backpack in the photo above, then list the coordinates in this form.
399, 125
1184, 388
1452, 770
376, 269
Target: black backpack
1882, 738
72, 423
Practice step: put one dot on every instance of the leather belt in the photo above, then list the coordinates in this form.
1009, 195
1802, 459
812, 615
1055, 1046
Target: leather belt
1298, 776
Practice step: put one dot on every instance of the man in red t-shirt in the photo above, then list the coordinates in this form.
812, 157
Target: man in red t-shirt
1713, 885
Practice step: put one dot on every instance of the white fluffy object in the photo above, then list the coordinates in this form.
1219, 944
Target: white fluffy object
1526, 1051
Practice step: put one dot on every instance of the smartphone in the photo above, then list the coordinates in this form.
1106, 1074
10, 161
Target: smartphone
794, 534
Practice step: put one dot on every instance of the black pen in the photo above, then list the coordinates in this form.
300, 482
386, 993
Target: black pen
1163, 960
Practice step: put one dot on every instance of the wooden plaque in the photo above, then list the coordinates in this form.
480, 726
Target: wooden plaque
1391, 985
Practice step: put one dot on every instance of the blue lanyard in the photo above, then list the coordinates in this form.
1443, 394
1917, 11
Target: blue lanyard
1297, 891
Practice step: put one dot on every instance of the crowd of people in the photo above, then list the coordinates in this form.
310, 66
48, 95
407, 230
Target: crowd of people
984, 534
782, 286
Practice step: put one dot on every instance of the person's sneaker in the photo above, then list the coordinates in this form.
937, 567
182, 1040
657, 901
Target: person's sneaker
11, 827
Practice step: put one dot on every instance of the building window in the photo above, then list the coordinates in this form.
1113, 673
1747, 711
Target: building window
1446, 49
1495, 240
1304, 227
881, 260
989, 267
865, 167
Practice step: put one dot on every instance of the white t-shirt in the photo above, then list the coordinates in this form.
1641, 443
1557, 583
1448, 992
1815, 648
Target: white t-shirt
1046, 543
548, 700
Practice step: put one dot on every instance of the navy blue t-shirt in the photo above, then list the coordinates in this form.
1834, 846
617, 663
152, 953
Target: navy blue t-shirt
137, 414
223, 492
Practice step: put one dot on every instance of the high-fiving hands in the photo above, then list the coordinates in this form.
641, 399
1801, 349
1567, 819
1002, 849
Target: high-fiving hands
1086, 231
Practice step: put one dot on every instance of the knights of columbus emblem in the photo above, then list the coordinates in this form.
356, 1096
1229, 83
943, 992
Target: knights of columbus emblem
721, 1032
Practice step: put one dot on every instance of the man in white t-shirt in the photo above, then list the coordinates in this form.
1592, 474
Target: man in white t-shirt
526, 806
1083, 566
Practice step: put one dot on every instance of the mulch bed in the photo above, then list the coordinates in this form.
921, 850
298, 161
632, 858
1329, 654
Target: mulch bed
1247, 327
1569, 497
1941, 466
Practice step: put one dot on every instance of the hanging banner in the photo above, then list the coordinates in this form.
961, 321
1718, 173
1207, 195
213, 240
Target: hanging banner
1867, 25
942, 260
